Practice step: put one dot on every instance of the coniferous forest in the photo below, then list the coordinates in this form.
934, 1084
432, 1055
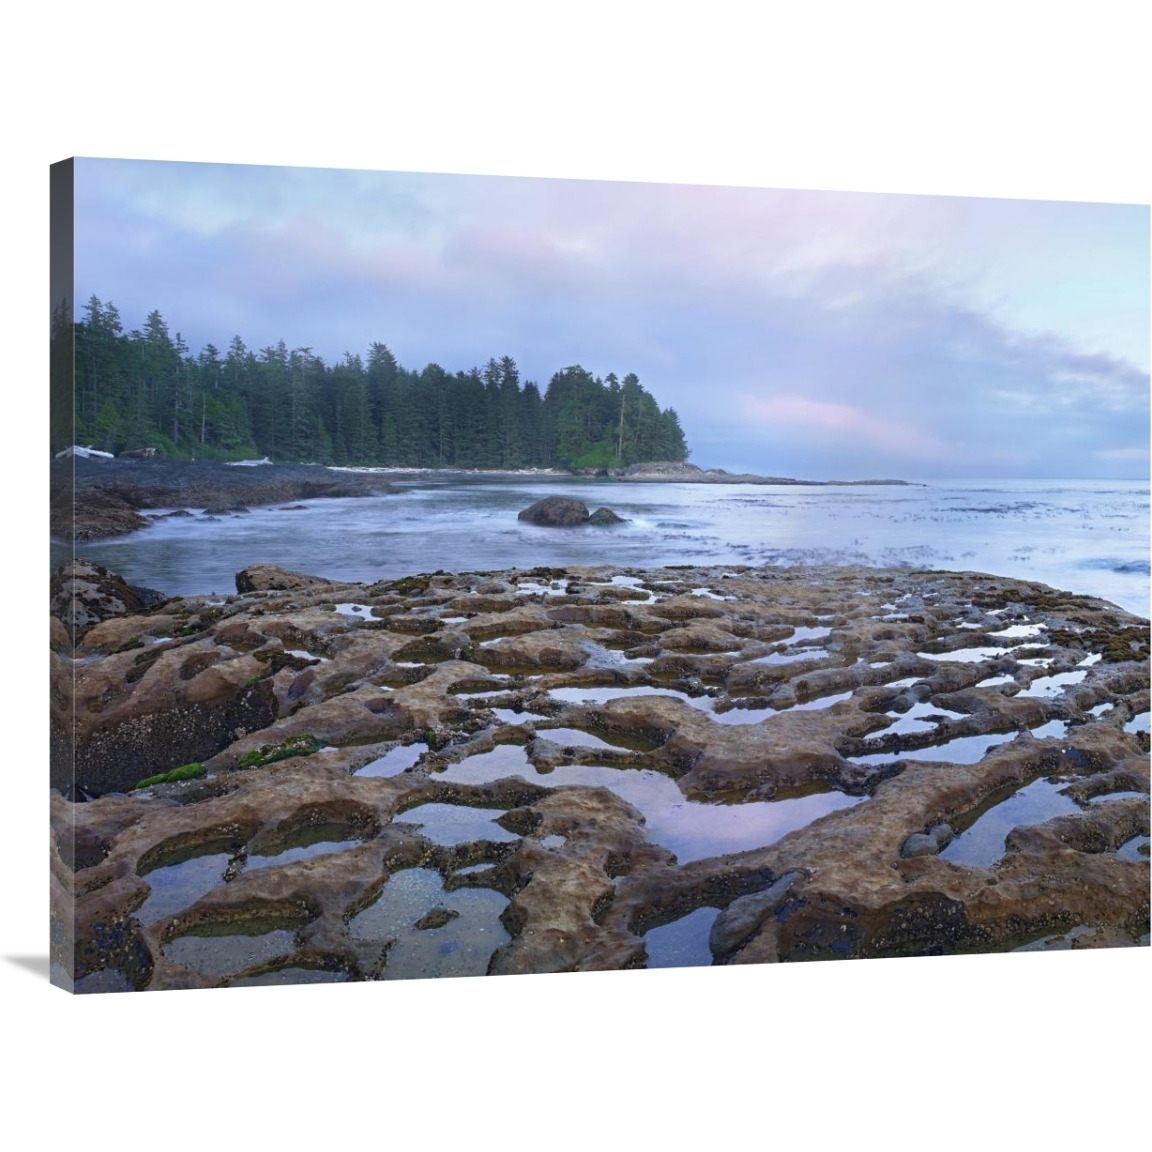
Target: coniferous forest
146, 388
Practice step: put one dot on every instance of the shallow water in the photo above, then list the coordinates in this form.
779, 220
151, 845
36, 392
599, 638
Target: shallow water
691, 830
683, 943
223, 955
1130, 850
461, 947
179, 886
982, 844
306, 844
1045, 687
456, 823
921, 717
1085, 536
961, 750
395, 761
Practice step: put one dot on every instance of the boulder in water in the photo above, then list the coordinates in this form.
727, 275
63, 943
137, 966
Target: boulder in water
605, 518
556, 512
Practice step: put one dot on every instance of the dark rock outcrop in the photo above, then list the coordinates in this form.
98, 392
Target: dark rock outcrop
605, 518
95, 498
84, 593
273, 578
555, 512
564, 512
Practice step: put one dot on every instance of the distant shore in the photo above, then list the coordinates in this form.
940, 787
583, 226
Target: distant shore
96, 498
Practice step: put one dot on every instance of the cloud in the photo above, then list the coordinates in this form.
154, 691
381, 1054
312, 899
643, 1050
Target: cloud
798, 332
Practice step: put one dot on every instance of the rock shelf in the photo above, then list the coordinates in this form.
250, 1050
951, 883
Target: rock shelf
597, 702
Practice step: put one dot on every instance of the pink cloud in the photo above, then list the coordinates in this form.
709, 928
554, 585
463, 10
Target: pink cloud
828, 421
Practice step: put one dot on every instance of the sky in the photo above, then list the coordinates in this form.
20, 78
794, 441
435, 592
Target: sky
820, 335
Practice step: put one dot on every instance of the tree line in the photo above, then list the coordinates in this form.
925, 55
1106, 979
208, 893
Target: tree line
145, 388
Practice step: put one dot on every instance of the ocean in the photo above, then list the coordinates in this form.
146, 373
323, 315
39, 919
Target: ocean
1082, 536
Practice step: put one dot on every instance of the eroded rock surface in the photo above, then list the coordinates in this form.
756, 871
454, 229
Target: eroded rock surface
528, 771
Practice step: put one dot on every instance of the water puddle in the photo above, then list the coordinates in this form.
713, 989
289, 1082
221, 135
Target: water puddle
601, 657
454, 619
1019, 631
359, 611
456, 823
531, 588
554, 841
791, 656
221, 955
1108, 797
577, 738
683, 943
1138, 723
516, 715
179, 886
921, 717
461, 946
473, 869
966, 655
303, 654
1130, 849
962, 750
993, 681
633, 582
1054, 728
1048, 686
305, 844
603, 695
982, 844
1100, 709
394, 761
1036, 661
709, 594
743, 715
800, 635
820, 702
1088, 661
693, 831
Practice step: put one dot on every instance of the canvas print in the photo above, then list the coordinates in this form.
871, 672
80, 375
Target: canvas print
469, 576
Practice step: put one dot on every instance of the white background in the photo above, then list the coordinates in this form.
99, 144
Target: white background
1002, 99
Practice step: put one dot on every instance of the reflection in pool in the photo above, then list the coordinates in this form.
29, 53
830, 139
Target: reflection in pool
982, 844
683, 943
461, 946
693, 831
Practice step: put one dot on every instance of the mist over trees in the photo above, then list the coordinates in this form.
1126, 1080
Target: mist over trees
145, 388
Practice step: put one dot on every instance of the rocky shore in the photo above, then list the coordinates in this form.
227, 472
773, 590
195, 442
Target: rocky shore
96, 498
673, 472
575, 769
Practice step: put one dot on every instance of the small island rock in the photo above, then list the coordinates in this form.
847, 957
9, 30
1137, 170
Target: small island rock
556, 512
605, 518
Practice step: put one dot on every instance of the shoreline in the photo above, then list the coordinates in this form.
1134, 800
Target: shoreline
97, 499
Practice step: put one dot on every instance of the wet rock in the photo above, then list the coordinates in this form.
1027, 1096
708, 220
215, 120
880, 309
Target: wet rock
930, 843
743, 916
273, 578
555, 512
84, 593
605, 518
437, 917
